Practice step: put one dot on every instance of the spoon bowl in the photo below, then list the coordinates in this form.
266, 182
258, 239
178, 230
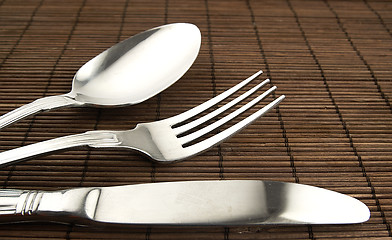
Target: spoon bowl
127, 73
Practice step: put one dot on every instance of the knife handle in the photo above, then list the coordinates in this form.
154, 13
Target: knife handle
19, 202
73, 205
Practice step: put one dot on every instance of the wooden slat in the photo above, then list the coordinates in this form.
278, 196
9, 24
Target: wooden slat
332, 60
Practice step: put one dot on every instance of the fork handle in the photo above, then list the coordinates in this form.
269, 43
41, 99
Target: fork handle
39, 105
91, 138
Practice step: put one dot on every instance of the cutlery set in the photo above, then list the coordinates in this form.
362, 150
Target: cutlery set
133, 71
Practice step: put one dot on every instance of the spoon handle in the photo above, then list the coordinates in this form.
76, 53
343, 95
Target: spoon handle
39, 105
91, 138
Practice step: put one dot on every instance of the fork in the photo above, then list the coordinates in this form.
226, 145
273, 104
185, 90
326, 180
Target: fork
166, 140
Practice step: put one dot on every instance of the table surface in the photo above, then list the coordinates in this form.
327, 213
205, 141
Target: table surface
332, 60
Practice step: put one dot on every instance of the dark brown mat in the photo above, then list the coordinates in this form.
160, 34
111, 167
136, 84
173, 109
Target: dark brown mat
332, 59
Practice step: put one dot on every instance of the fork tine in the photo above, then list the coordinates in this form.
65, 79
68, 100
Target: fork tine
220, 122
204, 106
218, 138
201, 120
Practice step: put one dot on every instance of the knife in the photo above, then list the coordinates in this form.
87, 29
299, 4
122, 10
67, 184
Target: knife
226, 202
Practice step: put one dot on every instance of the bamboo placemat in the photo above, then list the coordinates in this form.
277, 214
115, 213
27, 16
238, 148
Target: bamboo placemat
332, 60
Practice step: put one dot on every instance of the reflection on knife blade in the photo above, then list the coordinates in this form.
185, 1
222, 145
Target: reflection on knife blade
230, 202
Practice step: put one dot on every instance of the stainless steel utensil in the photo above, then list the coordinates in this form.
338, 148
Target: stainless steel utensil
232, 202
166, 140
128, 73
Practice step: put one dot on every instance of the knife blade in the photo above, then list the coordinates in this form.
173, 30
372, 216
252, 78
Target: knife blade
226, 202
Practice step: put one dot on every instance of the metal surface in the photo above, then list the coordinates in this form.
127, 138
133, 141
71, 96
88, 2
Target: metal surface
163, 140
234, 202
127, 73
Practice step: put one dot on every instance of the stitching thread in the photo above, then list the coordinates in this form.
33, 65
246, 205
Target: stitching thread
71, 226
378, 16
23, 32
373, 190
226, 233
348, 37
213, 82
1, 65
338, 112
267, 68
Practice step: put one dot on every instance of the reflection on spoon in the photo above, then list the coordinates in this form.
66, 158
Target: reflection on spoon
128, 73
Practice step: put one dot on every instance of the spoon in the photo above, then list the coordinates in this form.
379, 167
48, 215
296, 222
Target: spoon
128, 73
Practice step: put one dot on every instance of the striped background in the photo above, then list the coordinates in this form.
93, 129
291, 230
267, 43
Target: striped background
332, 60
